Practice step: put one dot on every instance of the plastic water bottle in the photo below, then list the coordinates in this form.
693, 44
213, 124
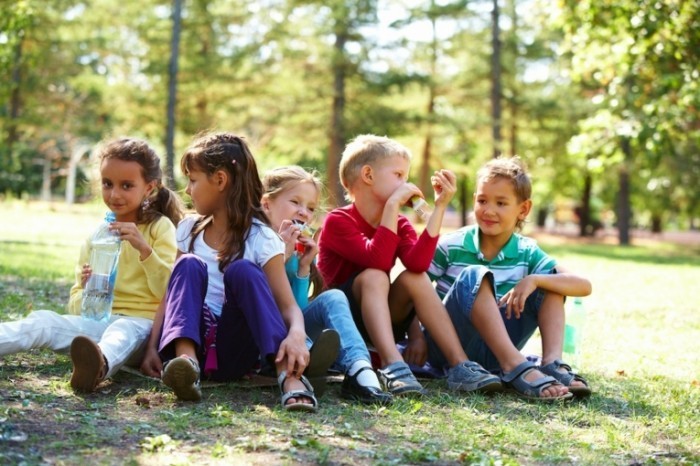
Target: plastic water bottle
421, 207
99, 289
573, 331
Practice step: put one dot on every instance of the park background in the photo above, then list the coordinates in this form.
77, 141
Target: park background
599, 98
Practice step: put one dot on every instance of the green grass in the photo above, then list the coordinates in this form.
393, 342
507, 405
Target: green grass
640, 355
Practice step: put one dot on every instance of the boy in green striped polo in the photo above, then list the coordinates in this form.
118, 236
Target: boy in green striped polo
499, 287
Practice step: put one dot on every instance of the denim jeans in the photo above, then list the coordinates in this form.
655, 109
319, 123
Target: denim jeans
330, 309
459, 302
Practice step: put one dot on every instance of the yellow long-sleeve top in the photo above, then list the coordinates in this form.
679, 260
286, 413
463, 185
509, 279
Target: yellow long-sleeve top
139, 285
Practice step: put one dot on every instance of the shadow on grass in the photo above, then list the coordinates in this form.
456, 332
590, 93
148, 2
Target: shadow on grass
136, 418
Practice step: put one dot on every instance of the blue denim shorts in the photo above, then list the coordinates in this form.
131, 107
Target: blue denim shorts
459, 301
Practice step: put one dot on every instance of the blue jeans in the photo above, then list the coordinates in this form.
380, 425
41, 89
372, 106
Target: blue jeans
459, 302
330, 309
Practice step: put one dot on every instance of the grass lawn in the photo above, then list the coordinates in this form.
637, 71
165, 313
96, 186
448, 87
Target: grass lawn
641, 344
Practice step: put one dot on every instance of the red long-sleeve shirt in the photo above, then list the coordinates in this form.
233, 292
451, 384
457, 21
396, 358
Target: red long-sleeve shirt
348, 245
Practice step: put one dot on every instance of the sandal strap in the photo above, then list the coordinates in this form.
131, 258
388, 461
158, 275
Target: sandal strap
565, 378
308, 393
524, 366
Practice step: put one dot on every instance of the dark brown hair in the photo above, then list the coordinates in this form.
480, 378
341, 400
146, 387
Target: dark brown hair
161, 201
225, 151
512, 169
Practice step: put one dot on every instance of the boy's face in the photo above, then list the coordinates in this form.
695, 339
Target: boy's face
497, 208
388, 175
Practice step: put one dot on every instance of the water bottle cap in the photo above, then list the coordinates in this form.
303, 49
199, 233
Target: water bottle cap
110, 217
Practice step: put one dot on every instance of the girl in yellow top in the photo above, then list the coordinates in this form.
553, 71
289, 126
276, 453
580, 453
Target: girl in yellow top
146, 214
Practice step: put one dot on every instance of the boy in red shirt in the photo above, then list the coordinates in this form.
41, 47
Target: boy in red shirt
358, 247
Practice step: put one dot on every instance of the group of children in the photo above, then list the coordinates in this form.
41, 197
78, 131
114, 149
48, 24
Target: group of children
242, 286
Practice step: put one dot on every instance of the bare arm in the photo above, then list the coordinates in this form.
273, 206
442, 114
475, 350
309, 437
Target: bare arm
445, 185
293, 348
563, 283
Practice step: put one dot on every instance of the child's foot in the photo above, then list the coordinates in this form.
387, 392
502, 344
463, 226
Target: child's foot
528, 382
297, 394
89, 365
469, 376
564, 374
398, 379
182, 375
353, 387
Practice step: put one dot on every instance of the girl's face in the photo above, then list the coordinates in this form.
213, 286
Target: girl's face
296, 203
124, 188
497, 208
205, 191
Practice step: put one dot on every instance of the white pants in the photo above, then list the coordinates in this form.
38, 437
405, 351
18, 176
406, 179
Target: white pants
122, 339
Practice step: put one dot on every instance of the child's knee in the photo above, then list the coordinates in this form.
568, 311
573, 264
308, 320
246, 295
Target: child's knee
370, 278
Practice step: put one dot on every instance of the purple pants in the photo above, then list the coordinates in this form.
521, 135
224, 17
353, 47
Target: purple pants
250, 324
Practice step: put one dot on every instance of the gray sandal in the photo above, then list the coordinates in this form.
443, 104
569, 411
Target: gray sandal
398, 379
567, 377
308, 393
531, 390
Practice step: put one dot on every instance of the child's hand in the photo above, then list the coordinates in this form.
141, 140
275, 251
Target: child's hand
515, 298
404, 193
85, 275
288, 232
445, 186
310, 252
416, 351
293, 349
151, 365
128, 231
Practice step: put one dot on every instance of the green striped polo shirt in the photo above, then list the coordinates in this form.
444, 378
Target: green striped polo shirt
519, 257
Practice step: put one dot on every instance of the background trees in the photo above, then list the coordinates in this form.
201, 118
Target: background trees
600, 99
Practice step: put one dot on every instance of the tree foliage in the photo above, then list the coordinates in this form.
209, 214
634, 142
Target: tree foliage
299, 78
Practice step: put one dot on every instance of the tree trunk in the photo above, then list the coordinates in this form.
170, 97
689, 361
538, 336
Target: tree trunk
463, 199
623, 207
172, 94
15, 100
513, 103
337, 130
424, 178
584, 214
496, 80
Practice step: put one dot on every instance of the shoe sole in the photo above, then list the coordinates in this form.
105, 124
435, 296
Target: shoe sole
347, 395
87, 364
323, 354
181, 376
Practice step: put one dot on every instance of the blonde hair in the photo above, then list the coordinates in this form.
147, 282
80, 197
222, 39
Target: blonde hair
366, 149
512, 169
278, 180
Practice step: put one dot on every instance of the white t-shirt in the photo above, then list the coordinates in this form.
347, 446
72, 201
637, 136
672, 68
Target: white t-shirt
261, 245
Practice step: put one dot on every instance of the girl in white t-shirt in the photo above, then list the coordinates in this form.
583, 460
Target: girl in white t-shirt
229, 303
